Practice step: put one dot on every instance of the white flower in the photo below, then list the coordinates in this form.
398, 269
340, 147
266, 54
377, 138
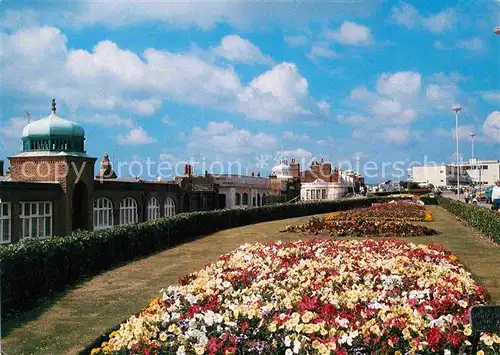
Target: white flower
181, 350
447, 352
296, 346
288, 352
288, 341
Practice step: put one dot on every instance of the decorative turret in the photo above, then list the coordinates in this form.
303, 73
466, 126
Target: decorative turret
53, 134
106, 170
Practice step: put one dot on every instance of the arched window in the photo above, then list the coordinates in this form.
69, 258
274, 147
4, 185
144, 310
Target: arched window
258, 200
254, 201
245, 199
263, 199
153, 208
237, 199
128, 211
169, 207
103, 213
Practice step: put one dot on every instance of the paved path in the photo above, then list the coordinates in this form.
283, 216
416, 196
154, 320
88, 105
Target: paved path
72, 321
454, 197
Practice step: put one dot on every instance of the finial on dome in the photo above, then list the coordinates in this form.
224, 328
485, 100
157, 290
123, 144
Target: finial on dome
54, 105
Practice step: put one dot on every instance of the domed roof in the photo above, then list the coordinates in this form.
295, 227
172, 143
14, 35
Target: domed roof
281, 169
53, 125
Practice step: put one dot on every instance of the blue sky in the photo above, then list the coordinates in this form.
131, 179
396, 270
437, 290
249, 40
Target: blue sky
238, 81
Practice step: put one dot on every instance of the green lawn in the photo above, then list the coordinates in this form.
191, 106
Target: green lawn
69, 322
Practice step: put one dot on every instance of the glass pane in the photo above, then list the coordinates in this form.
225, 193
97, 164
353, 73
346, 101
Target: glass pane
26, 209
26, 228
34, 227
33, 208
48, 225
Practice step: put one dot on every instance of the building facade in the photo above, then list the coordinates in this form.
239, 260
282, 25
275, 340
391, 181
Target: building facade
50, 188
474, 172
242, 191
323, 182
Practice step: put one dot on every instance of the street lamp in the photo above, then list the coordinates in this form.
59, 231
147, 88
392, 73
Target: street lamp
472, 135
457, 108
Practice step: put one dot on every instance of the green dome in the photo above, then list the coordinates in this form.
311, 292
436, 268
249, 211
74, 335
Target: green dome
51, 126
53, 134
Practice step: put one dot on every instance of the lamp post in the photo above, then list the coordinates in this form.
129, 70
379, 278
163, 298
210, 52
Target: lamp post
472, 135
457, 109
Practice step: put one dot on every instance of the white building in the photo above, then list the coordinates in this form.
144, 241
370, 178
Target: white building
438, 175
484, 172
242, 191
321, 190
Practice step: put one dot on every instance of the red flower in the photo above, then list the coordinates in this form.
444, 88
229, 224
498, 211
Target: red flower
244, 326
454, 339
434, 337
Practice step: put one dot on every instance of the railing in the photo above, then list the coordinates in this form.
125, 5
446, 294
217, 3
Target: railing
293, 200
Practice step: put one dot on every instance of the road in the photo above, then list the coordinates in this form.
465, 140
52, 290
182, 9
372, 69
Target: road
454, 197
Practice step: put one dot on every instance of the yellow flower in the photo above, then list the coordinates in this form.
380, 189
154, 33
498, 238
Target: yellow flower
95, 351
453, 257
199, 350
488, 341
163, 336
272, 327
468, 330
480, 352
397, 353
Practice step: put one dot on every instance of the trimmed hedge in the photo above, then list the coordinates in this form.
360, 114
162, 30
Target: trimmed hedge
483, 219
33, 270
414, 191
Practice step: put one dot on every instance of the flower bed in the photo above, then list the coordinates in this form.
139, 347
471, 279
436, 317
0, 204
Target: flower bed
321, 296
402, 211
358, 227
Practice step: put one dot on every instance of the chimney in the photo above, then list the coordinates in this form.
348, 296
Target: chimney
321, 159
253, 174
190, 170
1, 167
206, 173
186, 169
258, 174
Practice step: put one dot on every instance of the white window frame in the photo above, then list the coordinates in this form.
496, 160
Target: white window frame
103, 213
5, 206
169, 207
128, 211
153, 208
36, 214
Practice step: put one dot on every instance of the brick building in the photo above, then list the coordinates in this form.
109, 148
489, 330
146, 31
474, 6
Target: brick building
50, 188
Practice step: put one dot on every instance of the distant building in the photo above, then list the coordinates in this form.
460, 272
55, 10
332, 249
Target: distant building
50, 188
242, 191
322, 182
475, 172
285, 182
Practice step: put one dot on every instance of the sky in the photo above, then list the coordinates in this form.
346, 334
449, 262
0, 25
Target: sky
248, 83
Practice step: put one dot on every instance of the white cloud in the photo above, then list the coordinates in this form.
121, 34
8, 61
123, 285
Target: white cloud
238, 49
492, 96
405, 15
473, 44
399, 84
321, 50
329, 142
324, 107
225, 138
299, 153
136, 136
408, 16
491, 127
296, 40
111, 120
36, 61
275, 95
206, 15
440, 22
352, 33
397, 135
289, 135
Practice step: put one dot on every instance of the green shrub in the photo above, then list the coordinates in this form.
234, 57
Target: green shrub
34, 269
485, 220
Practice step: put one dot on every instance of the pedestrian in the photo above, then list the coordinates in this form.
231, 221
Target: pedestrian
495, 196
467, 195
